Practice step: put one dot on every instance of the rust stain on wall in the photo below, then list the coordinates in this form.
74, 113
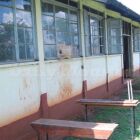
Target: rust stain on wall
25, 88
66, 90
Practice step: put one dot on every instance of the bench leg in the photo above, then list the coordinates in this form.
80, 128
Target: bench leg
86, 112
43, 135
133, 122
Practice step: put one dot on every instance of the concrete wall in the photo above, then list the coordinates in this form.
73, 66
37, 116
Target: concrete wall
22, 84
19, 92
136, 61
114, 67
95, 71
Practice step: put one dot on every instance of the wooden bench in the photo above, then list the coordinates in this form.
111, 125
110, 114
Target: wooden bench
100, 131
112, 103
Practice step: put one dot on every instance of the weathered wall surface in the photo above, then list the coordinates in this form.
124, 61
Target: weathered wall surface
63, 79
21, 85
19, 93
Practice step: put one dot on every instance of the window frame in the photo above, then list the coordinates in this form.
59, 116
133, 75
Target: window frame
69, 9
101, 35
120, 28
15, 30
136, 50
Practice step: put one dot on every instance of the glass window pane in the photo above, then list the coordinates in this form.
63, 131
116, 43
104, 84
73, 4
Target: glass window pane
21, 35
61, 25
95, 32
95, 41
7, 52
50, 51
94, 22
6, 2
28, 36
73, 16
23, 4
49, 37
87, 46
6, 16
115, 32
114, 23
61, 38
30, 51
22, 51
75, 51
73, 28
48, 22
7, 34
86, 23
47, 9
76, 40
96, 45
61, 12
24, 18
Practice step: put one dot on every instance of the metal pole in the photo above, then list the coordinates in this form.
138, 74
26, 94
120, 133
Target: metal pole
82, 38
131, 90
128, 87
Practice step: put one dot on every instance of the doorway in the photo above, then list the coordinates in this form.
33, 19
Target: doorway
127, 50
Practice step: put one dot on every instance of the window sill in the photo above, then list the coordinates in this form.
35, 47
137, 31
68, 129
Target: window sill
63, 60
14, 64
113, 55
95, 56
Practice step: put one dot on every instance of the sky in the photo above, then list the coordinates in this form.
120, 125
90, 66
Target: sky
132, 4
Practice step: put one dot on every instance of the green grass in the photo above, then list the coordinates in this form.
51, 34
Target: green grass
118, 115
136, 84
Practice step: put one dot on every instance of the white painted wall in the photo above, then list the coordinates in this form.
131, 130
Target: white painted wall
19, 92
64, 80
114, 67
136, 61
95, 71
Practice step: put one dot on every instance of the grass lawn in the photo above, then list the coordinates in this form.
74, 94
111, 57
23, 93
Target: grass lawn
121, 116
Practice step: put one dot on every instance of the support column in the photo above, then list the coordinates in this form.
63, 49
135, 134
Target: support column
39, 42
82, 40
132, 46
106, 51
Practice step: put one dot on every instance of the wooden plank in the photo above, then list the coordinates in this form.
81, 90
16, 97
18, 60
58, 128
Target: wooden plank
73, 128
106, 102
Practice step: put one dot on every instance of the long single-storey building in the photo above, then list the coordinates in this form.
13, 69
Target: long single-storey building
52, 50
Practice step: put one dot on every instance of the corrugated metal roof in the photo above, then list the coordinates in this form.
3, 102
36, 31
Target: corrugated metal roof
122, 9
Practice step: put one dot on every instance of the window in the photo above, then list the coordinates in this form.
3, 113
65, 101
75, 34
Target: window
94, 33
16, 31
126, 28
60, 31
114, 36
136, 39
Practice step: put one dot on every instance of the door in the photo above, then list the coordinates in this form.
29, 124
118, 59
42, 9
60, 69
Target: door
127, 58
127, 51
